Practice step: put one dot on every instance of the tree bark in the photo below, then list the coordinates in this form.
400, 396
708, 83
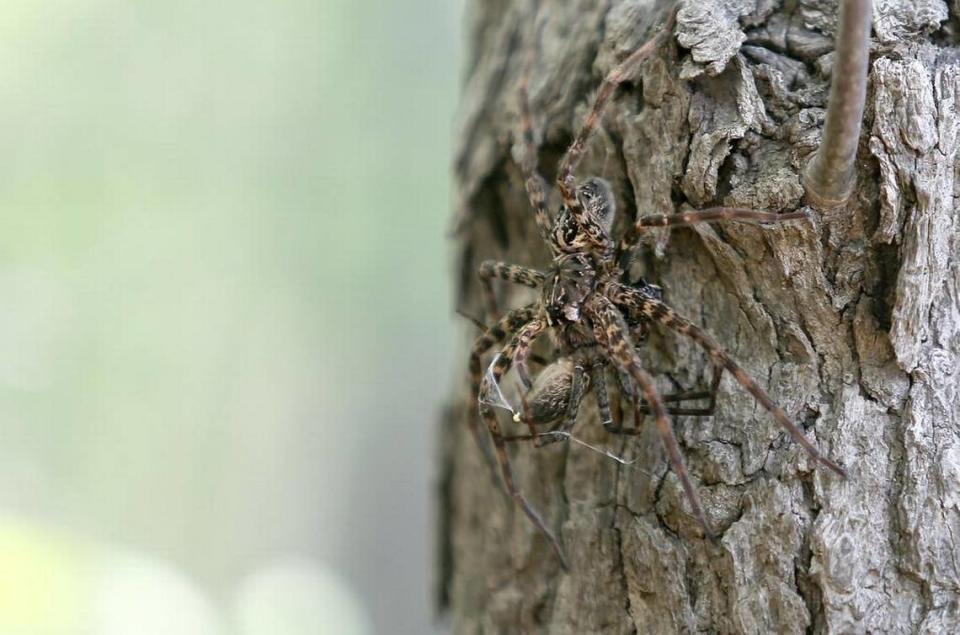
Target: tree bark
851, 321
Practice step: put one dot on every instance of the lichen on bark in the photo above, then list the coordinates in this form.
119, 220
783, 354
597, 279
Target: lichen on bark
851, 322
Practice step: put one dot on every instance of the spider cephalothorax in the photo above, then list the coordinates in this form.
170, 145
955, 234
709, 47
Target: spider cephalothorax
595, 197
596, 318
578, 264
569, 281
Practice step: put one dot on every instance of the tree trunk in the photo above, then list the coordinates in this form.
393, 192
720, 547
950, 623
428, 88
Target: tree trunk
851, 321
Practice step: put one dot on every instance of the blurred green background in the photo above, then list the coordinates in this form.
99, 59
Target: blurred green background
224, 313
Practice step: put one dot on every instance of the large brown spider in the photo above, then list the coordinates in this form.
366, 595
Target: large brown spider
594, 315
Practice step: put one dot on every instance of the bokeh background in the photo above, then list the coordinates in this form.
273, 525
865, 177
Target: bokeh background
225, 316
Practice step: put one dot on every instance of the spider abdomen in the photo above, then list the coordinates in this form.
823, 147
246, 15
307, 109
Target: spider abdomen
549, 396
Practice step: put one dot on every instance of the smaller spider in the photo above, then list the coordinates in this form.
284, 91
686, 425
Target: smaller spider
595, 317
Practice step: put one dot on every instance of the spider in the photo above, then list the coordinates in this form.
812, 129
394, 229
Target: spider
595, 317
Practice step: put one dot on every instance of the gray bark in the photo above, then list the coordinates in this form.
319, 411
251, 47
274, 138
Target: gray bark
851, 322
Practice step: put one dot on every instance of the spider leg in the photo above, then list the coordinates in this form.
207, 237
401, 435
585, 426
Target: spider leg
693, 395
504, 460
599, 380
566, 181
500, 367
603, 401
626, 384
627, 390
710, 215
659, 312
496, 334
603, 404
518, 351
535, 184
641, 407
490, 269
536, 359
610, 330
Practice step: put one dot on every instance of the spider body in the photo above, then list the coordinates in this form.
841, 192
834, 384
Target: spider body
595, 318
595, 197
570, 281
548, 397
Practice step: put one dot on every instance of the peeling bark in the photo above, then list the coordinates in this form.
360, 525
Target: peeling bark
851, 322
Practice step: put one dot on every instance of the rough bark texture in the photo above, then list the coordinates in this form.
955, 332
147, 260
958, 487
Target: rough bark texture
851, 321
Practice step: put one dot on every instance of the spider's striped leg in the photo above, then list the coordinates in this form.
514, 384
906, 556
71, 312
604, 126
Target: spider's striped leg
603, 402
641, 407
517, 352
610, 330
710, 215
521, 348
598, 377
536, 359
627, 390
566, 180
536, 185
626, 384
500, 368
714, 387
496, 334
694, 395
659, 312
503, 458
490, 269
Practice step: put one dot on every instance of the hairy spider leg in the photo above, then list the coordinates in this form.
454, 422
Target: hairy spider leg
660, 313
709, 215
500, 367
610, 330
566, 179
535, 184
626, 385
496, 334
603, 403
519, 351
507, 472
598, 375
630, 392
693, 395
491, 269
536, 359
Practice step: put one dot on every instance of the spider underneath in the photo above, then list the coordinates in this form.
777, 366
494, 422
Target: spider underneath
596, 318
